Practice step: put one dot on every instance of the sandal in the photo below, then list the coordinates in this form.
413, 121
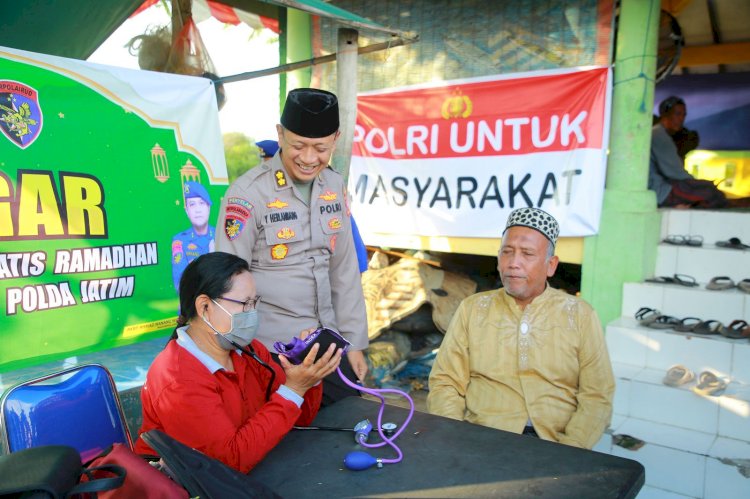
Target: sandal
678, 375
709, 384
720, 283
708, 327
732, 243
687, 324
681, 279
664, 322
737, 330
646, 315
744, 285
683, 240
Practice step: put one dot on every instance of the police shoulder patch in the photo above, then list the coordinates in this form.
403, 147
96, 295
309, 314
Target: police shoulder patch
233, 227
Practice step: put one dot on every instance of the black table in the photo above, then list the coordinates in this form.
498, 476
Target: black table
442, 458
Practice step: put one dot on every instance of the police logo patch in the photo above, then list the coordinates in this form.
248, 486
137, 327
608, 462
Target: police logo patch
233, 227
285, 233
279, 251
328, 196
280, 178
334, 223
176, 246
277, 203
20, 113
177, 257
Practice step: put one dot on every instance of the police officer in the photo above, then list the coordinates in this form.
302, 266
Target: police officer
199, 238
290, 219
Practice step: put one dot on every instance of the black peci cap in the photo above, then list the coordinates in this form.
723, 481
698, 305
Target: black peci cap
311, 113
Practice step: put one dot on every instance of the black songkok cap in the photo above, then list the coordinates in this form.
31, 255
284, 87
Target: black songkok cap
311, 113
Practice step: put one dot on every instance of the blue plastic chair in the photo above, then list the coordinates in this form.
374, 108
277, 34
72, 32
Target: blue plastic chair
78, 407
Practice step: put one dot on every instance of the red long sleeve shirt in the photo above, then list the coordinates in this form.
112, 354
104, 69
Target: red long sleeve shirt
222, 414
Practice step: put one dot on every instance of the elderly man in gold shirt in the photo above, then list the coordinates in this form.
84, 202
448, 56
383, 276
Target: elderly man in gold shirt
526, 358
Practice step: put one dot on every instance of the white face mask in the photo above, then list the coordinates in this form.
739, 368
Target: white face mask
243, 329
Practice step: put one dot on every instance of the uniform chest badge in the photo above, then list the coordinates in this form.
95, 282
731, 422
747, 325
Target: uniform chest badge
192, 246
279, 251
280, 178
277, 203
285, 233
328, 196
334, 223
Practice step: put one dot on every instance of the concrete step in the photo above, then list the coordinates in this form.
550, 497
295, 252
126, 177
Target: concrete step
641, 394
640, 347
703, 263
712, 225
683, 463
680, 301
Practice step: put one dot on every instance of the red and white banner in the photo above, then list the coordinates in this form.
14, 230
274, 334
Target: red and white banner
454, 159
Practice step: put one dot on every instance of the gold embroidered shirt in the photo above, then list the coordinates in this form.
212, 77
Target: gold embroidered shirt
501, 366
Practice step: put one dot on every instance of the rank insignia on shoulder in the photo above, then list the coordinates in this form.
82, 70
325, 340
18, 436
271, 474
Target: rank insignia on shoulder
328, 196
277, 203
279, 251
280, 178
233, 227
285, 233
334, 223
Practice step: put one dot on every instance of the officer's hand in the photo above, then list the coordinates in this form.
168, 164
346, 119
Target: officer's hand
302, 377
306, 332
359, 364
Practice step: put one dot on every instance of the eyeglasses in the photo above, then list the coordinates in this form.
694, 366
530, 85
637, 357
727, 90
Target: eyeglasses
246, 305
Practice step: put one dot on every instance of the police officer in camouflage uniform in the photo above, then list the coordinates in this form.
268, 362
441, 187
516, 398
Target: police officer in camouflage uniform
199, 238
290, 219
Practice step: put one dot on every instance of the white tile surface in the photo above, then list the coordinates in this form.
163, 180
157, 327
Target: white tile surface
675, 222
724, 306
627, 345
669, 469
740, 370
707, 262
621, 399
698, 353
666, 260
719, 225
654, 493
669, 406
734, 418
665, 435
724, 481
636, 295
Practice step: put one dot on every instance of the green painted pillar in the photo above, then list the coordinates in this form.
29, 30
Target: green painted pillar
624, 250
295, 44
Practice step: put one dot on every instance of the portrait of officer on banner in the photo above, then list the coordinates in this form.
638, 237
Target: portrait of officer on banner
199, 238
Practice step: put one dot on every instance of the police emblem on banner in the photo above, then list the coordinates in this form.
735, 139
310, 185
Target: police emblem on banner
20, 113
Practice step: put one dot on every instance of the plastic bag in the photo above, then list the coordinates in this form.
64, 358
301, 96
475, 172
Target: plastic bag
189, 55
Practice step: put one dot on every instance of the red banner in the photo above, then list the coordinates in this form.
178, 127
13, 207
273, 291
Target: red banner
432, 158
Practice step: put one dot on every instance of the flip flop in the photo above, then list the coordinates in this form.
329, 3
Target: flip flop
645, 315
664, 322
678, 375
709, 384
687, 324
720, 283
627, 442
678, 240
732, 243
744, 285
681, 279
708, 327
737, 330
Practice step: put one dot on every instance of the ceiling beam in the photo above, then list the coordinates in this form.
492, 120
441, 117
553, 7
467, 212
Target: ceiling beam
720, 53
674, 7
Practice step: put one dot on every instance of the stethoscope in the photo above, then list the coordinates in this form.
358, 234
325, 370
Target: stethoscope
388, 432
361, 460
